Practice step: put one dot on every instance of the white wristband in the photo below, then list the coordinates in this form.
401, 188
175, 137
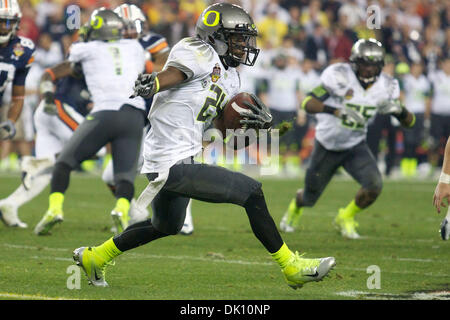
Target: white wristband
444, 178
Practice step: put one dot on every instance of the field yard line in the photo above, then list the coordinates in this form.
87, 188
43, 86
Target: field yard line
211, 259
52, 258
31, 296
19, 246
444, 295
191, 258
416, 260
428, 274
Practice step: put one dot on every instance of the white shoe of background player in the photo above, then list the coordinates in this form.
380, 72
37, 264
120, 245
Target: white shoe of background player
8, 214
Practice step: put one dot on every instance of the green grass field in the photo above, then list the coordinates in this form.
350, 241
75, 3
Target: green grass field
223, 259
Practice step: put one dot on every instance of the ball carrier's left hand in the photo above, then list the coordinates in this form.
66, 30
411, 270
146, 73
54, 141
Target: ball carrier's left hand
146, 85
260, 117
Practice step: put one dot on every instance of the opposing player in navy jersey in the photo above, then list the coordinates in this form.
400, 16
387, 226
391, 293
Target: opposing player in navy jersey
16, 56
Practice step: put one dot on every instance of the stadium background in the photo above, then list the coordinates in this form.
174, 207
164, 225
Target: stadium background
310, 34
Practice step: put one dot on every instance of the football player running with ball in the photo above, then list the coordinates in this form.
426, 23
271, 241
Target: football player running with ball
188, 96
348, 97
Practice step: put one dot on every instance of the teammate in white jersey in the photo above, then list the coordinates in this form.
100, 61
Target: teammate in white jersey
198, 78
115, 118
157, 51
416, 90
440, 110
349, 96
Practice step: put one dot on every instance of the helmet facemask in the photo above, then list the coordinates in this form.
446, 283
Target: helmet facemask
367, 60
8, 27
134, 29
366, 71
241, 47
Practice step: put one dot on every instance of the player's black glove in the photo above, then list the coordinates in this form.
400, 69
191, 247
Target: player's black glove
146, 85
49, 104
46, 90
7, 130
259, 118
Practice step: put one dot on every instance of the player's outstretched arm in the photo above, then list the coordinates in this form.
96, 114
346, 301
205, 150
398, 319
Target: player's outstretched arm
313, 105
7, 128
442, 190
148, 85
46, 85
396, 108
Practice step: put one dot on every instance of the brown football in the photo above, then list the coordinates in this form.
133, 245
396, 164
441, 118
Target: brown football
231, 116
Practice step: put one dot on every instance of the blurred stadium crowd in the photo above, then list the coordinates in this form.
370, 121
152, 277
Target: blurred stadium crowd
298, 38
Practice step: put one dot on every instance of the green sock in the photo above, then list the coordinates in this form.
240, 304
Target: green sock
412, 167
404, 165
108, 250
56, 200
122, 205
282, 256
350, 210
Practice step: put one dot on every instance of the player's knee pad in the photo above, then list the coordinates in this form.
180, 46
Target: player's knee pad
245, 188
375, 186
372, 194
310, 197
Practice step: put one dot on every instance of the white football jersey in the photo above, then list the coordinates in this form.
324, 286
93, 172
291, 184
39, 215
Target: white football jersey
416, 90
344, 90
283, 86
110, 70
179, 115
441, 92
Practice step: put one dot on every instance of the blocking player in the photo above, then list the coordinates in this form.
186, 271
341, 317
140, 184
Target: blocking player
348, 97
158, 49
110, 65
442, 192
16, 56
198, 79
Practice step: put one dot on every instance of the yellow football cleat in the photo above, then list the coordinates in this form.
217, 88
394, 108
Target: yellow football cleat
92, 264
51, 218
346, 225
